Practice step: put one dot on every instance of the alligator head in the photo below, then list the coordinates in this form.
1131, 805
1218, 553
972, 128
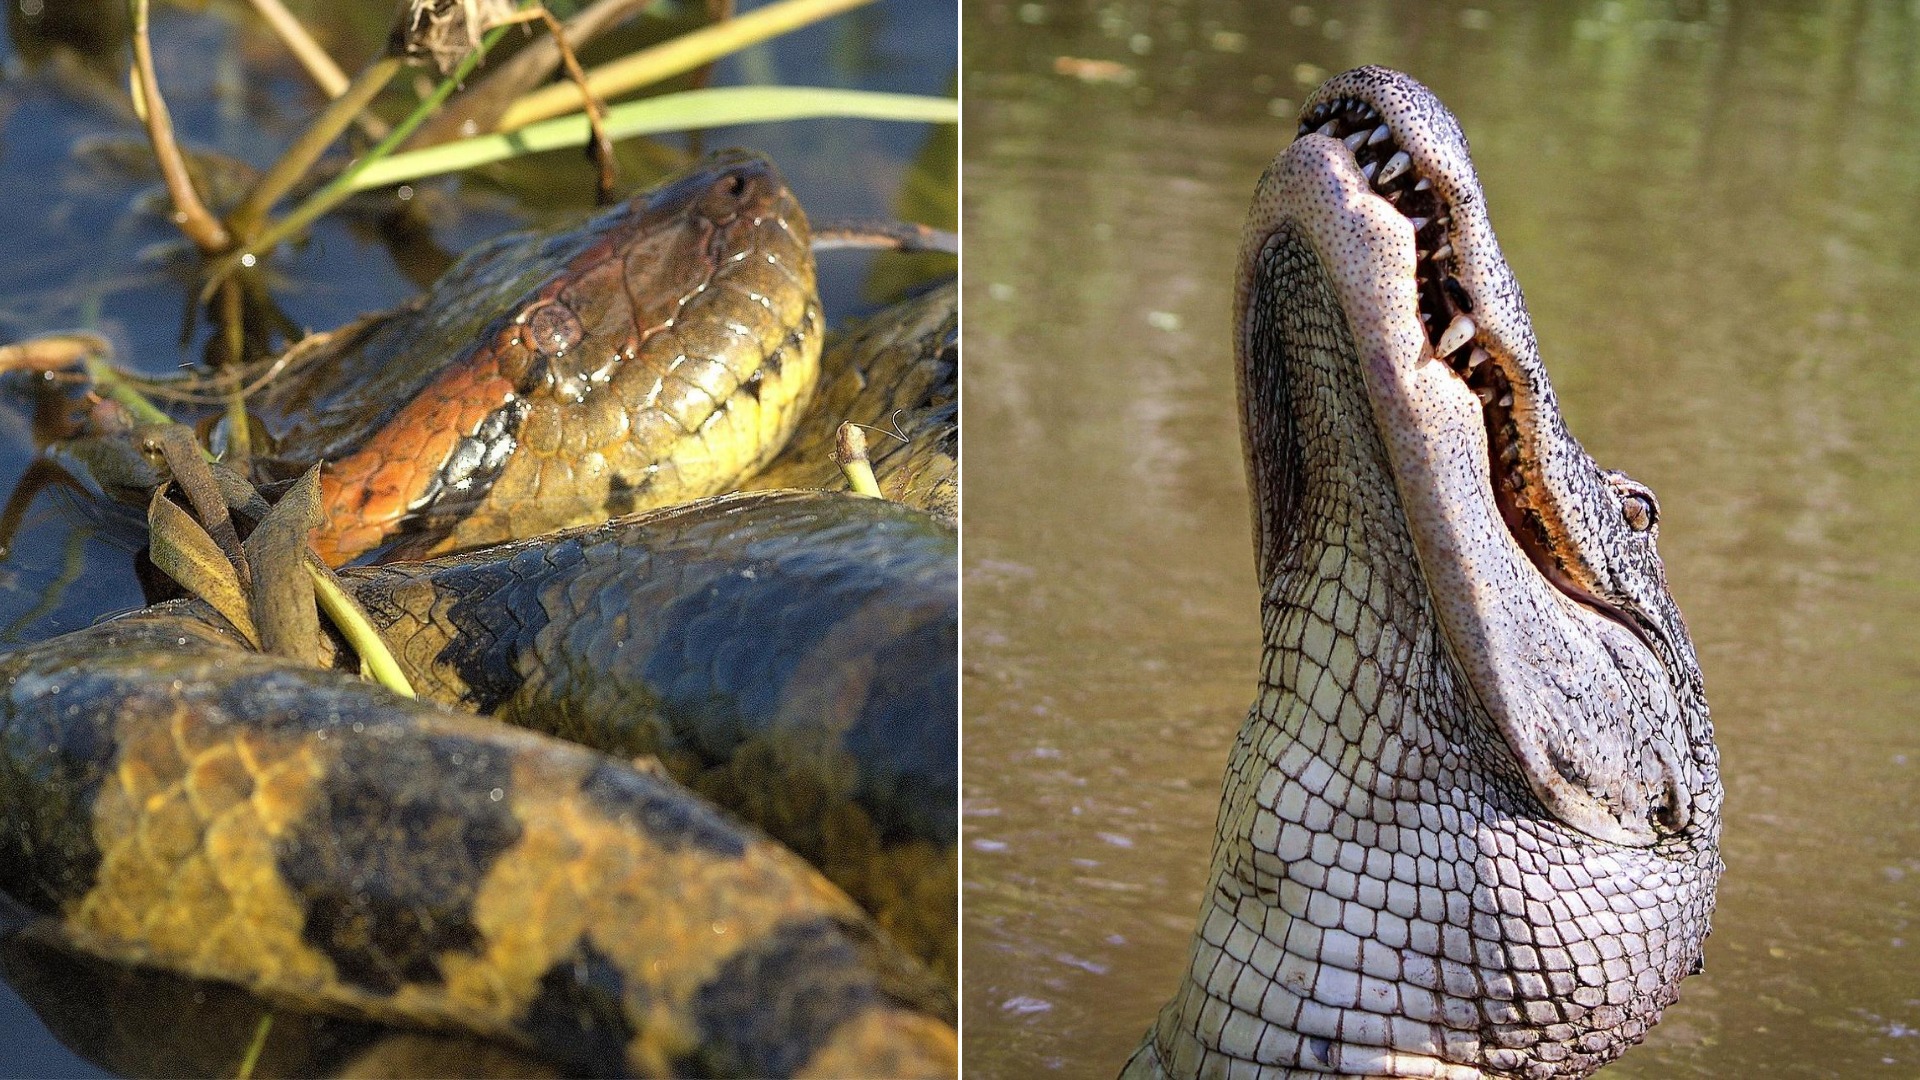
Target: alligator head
1471, 825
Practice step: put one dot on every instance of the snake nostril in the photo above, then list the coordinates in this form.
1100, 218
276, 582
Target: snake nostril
722, 200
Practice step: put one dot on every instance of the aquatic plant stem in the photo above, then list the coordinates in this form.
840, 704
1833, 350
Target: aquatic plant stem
669, 112
313, 142
342, 186
109, 381
319, 66
480, 105
356, 627
682, 54
850, 453
190, 213
252, 1059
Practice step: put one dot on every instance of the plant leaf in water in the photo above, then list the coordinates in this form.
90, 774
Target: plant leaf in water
718, 107
184, 552
283, 604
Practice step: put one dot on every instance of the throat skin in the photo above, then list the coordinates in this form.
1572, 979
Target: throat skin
1391, 891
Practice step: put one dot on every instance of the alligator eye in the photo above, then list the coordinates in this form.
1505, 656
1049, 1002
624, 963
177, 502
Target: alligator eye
1638, 510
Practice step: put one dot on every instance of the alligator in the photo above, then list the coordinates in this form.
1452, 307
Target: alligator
1471, 825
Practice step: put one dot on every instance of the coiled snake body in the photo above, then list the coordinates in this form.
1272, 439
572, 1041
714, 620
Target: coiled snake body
172, 799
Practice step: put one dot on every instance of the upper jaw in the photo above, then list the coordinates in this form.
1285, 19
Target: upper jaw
1586, 708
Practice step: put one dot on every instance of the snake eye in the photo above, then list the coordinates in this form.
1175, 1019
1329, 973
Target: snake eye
1639, 511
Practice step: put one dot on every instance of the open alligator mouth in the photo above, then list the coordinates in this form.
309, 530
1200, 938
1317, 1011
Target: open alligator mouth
1527, 552
1447, 318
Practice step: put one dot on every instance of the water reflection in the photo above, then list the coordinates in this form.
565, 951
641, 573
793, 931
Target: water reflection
1708, 204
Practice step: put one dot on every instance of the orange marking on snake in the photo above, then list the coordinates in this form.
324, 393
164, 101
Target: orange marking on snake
364, 497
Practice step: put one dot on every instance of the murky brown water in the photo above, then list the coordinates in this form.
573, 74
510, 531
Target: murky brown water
1711, 207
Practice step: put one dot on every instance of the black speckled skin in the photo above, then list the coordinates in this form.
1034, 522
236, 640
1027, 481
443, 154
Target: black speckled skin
789, 655
169, 798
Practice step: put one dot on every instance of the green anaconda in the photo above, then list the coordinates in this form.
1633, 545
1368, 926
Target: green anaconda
1470, 827
171, 800
659, 353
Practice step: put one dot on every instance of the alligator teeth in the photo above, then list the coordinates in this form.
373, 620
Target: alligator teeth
1457, 333
1356, 140
1480, 356
1444, 251
1369, 169
1510, 453
1380, 135
1400, 162
1484, 393
1329, 127
1422, 184
1506, 398
1419, 223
